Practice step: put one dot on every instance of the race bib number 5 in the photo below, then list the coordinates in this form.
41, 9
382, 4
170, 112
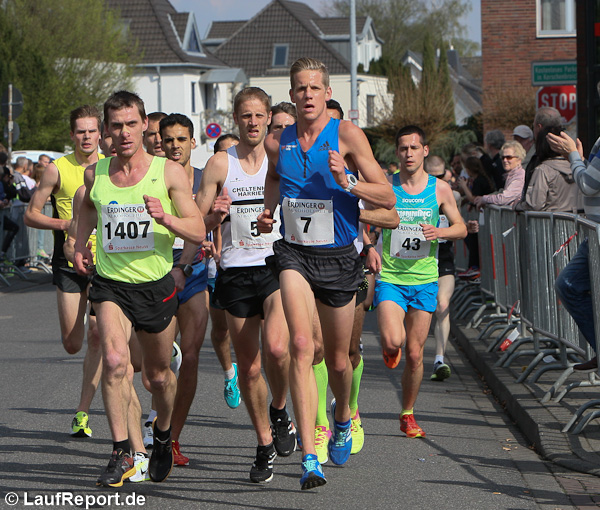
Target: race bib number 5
244, 227
126, 228
308, 221
408, 242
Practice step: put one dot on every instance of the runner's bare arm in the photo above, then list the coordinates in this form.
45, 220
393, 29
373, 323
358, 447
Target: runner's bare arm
69, 245
86, 221
447, 202
188, 224
354, 145
34, 217
271, 193
208, 196
379, 217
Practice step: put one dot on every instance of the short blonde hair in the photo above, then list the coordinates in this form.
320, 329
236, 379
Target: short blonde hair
515, 146
309, 64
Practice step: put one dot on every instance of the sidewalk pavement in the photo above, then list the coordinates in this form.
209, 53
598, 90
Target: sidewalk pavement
540, 422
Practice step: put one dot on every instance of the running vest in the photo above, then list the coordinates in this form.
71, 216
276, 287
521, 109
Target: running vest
132, 247
408, 259
178, 243
243, 244
315, 210
71, 179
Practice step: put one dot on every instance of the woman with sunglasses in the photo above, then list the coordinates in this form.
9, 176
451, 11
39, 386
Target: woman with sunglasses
512, 154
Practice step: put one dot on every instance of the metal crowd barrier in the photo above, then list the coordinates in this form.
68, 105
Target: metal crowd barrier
521, 256
30, 246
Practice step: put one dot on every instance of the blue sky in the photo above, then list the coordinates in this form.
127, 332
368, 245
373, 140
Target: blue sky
221, 10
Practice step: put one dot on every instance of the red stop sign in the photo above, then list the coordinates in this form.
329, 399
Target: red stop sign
561, 97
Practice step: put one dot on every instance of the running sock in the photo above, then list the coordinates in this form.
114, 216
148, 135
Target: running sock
345, 425
355, 388
407, 411
276, 414
124, 445
265, 448
438, 359
162, 435
322, 379
229, 374
151, 416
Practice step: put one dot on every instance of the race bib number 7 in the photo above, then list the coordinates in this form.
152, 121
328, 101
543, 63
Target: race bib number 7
308, 222
126, 228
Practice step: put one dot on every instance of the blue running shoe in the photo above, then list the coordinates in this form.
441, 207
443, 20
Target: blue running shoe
340, 443
312, 473
232, 390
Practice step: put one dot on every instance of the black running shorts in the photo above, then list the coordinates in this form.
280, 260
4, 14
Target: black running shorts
334, 274
68, 281
445, 259
149, 306
242, 290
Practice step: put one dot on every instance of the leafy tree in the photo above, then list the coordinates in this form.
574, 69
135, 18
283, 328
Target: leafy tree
60, 54
403, 24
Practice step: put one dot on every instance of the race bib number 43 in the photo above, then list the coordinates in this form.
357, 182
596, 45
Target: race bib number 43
126, 227
408, 242
308, 221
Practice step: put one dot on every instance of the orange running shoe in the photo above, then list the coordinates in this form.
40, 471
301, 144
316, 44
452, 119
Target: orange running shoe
178, 458
392, 361
409, 426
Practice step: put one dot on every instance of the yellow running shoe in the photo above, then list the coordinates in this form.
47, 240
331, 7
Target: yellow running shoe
358, 434
79, 425
322, 435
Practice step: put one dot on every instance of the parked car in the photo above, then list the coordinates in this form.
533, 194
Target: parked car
34, 155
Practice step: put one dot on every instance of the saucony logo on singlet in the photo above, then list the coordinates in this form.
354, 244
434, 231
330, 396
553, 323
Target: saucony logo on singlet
325, 146
413, 200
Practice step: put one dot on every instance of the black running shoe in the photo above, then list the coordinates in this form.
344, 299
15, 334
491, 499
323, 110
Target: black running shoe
161, 461
262, 469
120, 467
284, 436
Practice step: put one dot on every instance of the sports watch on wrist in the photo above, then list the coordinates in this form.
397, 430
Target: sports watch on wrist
186, 268
352, 181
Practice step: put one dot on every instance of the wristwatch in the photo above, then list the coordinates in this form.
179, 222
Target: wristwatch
186, 268
352, 181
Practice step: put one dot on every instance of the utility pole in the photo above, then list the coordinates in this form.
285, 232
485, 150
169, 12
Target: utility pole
353, 65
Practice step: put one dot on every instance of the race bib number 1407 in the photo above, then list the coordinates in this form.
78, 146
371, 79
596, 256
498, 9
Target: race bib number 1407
126, 228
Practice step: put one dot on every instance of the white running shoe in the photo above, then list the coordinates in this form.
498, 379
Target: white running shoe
140, 461
148, 434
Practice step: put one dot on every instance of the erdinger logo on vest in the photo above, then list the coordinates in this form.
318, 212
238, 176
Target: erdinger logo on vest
126, 228
308, 222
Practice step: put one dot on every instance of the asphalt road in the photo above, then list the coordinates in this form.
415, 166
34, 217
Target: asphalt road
472, 457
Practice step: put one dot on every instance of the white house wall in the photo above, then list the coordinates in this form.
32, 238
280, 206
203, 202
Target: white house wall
176, 97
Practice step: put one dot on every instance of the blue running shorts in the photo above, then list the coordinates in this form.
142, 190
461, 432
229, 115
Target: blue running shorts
422, 297
195, 283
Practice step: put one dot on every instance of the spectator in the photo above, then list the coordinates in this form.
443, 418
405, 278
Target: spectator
25, 185
552, 187
493, 142
573, 285
44, 160
544, 117
524, 135
7, 193
480, 184
512, 154
456, 165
